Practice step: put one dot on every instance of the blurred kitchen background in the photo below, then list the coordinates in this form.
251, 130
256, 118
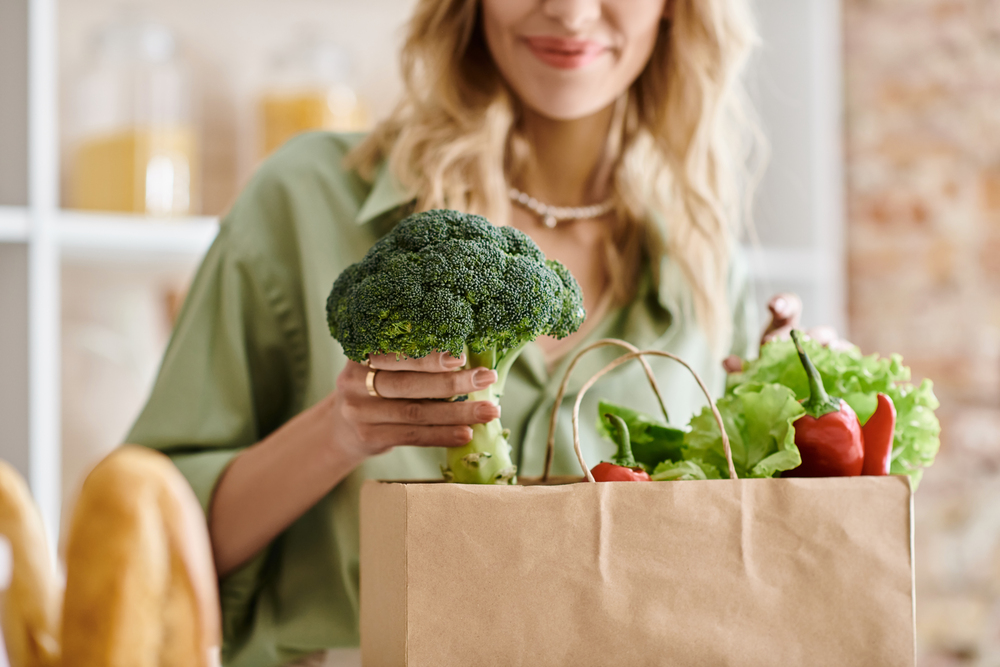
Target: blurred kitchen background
126, 129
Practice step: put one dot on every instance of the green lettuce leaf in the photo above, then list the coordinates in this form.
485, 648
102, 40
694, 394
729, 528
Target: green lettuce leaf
684, 470
652, 440
758, 419
858, 379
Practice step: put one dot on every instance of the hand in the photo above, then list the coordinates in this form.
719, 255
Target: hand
405, 413
271, 484
786, 311
786, 314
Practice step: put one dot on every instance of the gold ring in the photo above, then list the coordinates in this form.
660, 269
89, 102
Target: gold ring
370, 383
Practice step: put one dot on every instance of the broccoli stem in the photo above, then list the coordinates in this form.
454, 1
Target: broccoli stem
486, 459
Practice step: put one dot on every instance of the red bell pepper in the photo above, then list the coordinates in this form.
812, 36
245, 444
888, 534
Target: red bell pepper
829, 435
621, 468
879, 431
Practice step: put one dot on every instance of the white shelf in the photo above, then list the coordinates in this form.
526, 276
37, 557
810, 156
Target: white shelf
131, 238
13, 224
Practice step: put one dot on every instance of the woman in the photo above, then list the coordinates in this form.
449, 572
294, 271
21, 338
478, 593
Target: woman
625, 110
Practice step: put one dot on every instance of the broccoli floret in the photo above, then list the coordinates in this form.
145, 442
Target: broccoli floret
453, 282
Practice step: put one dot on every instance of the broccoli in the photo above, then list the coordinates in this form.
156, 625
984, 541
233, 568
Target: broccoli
453, 282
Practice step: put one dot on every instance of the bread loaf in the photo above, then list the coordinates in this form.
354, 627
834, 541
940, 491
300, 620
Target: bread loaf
30, 606
141, 588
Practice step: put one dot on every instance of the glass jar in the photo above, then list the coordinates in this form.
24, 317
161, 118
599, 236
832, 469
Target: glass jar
134, 136
307, 88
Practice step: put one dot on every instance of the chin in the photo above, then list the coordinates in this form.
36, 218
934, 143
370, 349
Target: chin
571, 104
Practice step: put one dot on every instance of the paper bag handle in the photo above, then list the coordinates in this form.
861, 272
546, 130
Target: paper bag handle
604, 342
638, 355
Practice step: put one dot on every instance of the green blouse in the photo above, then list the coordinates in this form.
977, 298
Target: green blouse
252, 348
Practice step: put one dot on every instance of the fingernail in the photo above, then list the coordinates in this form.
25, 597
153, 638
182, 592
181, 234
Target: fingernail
451, 363
483, 377
780, 306
487, 413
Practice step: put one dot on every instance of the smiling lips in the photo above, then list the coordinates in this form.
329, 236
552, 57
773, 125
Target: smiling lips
565, 53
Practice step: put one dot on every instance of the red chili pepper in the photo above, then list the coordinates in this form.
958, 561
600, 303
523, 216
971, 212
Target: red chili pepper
829, 435
879, 431
609, 472
621, 468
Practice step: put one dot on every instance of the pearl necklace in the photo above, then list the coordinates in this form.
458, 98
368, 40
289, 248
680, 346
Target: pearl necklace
551, 215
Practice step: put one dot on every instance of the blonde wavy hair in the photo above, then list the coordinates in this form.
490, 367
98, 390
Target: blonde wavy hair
679, 144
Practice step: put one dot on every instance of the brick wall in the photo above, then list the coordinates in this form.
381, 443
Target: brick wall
923, 172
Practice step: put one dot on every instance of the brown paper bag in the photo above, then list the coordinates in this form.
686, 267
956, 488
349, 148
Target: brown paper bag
768, 572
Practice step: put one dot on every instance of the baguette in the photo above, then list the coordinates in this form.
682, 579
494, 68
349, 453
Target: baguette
141, 589
30, 605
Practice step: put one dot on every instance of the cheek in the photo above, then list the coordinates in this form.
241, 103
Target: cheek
639, 23
641, 37
500, 21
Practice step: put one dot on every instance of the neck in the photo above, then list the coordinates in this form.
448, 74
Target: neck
568, 165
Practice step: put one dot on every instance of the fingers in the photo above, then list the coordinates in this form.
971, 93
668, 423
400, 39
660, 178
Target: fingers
827, 336
412, 384
733, 364
379, 423
421, 413
386, 436
398, 415
785, 307
786, 312
435, 362
824, 335
781, 333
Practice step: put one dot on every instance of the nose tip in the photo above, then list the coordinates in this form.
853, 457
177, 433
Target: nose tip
574, 15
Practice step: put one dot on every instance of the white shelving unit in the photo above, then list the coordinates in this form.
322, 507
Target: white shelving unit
800, 215
117, 238
13, 225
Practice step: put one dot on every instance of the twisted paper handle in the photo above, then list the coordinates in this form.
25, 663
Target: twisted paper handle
604, 342
639, 355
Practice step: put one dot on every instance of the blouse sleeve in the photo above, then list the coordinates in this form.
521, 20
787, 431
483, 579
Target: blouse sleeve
235, 366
